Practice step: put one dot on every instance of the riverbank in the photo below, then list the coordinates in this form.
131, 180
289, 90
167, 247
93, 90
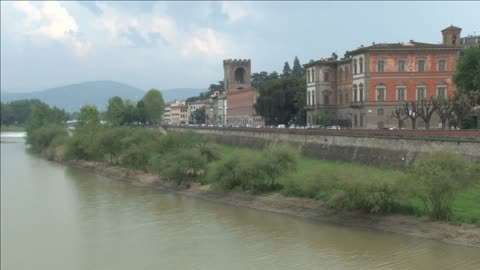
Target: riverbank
12, 128
461, 234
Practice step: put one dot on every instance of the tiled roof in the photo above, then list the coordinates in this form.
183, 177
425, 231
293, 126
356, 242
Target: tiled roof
403, 46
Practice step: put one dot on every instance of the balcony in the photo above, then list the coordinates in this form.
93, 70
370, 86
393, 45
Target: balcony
357, 104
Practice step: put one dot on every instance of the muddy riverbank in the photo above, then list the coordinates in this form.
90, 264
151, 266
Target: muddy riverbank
460, 234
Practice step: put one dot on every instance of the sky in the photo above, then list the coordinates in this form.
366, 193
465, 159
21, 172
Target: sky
168, 45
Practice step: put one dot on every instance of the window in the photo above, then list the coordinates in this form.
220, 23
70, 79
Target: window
313, 75
421, 92
355, 120
380, 112
340, 98
454, 39
401, 65
313, 97
325, 76
340, 74
361, 119
380, 125
421, 65
326, 100
401, 93
361, 65
355, 66
381, 93
308, 98
380, 65
361, 92
355, 93
442, 65
346, 98
308, 75
441, 91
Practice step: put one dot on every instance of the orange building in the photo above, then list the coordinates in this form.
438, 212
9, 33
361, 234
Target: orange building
383, 77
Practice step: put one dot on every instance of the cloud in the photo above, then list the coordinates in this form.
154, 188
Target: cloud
52, 22
92, 7
234, 10
158, 30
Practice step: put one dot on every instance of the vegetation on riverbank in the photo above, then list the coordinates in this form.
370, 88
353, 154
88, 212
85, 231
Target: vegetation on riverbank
443, 186
12, 128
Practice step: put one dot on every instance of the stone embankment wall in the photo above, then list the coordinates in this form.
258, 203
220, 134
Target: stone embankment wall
382, 148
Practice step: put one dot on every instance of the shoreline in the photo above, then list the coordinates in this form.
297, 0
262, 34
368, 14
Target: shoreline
463, 234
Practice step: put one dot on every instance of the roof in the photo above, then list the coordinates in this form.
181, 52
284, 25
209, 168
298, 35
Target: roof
328, 61
451, 27
411, 45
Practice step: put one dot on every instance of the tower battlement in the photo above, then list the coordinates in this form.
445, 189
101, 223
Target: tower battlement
237, 73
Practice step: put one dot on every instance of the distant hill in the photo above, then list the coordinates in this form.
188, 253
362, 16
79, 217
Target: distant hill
72, 97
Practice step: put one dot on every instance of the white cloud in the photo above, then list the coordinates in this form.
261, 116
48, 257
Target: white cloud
51, 21
158, 30
234, 10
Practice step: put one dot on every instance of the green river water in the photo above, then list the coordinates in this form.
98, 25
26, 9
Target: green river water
55, 217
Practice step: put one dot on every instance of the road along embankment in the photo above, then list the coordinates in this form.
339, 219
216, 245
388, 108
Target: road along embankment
379, 148
463, 234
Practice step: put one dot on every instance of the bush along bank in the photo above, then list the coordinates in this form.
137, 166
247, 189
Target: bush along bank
436, 186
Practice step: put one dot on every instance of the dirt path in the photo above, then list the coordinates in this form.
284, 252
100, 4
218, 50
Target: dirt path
463, 234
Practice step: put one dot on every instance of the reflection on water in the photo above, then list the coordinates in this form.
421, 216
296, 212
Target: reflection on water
64, 218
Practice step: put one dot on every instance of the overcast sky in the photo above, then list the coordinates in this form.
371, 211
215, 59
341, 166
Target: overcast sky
182, 44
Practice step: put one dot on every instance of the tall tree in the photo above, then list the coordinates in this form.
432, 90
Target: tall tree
116, 111
426, 110
6, 115
154, 106
461, 107
467, 73
198, 116
411, 109
444, 109
287, 71
88, 117
400, 115
298, 71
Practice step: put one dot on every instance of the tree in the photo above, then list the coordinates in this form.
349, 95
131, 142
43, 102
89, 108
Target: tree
116, 111
140, 112
411, 109
280, 100
287, 71
298, 71
461, 107
399, 114
89, 117
7, 116
467, 73
444, 109
426, 110
198, 116
154, 106
323, 120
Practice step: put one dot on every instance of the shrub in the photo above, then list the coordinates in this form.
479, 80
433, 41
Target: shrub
180, 166
43, 137
277, 159
438, 179
110, 143
374, 197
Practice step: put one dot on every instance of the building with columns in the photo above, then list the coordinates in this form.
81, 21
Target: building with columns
362, 89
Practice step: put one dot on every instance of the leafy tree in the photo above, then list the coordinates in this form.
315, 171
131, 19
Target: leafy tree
287, 71
84, 143
140, 112
467, 72
7, 116
154, 106
280, 101
116, 111
277, 160
323, 120
88, 116
439, 178
258, 79
110, 143
298, 71
180, 166
18, 111
198, 116
138, 147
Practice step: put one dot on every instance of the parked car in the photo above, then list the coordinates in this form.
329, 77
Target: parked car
281, 126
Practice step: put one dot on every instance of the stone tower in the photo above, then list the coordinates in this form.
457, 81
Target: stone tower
237, 74
451, 36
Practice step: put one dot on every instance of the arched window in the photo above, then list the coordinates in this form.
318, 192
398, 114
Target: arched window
308, 75
355, 66
361, 65
361, 92
354, 94
454, 39
240, 75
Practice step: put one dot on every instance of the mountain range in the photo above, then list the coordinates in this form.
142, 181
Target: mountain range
72, 97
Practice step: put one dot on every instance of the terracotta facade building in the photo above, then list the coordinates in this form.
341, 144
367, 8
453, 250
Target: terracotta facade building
362, 89
240, 95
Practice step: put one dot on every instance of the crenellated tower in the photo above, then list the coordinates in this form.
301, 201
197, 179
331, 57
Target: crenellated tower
237, 73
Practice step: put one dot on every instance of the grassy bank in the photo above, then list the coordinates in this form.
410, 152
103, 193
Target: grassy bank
324, 179
12, 128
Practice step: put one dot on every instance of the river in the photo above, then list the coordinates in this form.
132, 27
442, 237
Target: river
55, 217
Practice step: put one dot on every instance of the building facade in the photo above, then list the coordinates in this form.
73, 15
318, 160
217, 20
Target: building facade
240, 95
362, 89
195, 105
178, 112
